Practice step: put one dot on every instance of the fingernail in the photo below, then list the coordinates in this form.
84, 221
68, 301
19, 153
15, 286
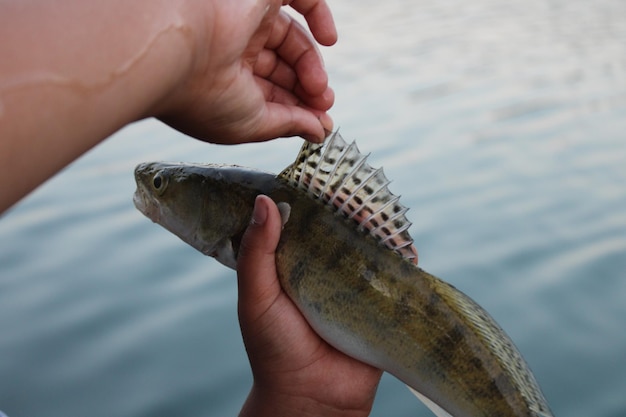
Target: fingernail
259, 213
327, 122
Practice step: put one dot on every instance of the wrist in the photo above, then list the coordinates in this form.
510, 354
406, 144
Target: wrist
170, 55
263, 403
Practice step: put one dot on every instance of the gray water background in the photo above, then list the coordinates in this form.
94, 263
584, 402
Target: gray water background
502, 124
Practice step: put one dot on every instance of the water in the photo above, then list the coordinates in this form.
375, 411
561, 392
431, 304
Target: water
502, 125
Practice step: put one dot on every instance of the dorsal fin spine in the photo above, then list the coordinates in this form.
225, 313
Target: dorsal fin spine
351, 149
400, 212
367, 200
366, 181
333, 170
359, 188
338, 174
400, 230
382, 208
310, 188
403, 245
320, 163
352, 171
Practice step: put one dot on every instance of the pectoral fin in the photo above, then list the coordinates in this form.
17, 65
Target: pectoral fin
285, 211
225, 254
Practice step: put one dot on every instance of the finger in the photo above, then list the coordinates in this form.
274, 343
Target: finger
311, 73
321, 102
319, 18
293, 45
268, 66
279, 84
256, 266
283, 121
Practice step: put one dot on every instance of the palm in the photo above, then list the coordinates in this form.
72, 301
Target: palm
297, 362
269, 77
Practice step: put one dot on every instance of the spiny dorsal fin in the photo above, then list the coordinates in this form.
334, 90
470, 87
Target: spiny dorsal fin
339, 175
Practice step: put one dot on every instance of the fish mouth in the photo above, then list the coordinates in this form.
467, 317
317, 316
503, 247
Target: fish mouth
138, 201
145, 204
143, 199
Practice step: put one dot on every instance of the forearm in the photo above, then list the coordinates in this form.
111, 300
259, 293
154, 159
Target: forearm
92, 66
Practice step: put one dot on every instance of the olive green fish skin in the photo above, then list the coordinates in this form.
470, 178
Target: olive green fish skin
192, 205
362, 298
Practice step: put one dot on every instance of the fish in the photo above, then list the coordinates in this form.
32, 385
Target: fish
347, 261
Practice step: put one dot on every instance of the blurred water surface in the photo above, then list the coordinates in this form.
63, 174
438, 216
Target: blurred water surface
502, 124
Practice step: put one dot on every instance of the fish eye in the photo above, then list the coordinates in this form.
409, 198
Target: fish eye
159, 182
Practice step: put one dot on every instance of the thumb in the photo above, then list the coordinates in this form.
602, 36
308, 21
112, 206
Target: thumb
256, 264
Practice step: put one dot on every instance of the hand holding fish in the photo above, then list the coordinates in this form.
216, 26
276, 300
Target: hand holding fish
295, 371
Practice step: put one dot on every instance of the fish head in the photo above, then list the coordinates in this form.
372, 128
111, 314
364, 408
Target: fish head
207, 206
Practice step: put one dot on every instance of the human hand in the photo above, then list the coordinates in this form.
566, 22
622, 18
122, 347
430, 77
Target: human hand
257, 74
295, 371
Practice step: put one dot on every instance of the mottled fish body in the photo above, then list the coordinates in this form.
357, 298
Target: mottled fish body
346, 260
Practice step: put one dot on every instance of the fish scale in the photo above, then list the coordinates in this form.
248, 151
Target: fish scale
358, 291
